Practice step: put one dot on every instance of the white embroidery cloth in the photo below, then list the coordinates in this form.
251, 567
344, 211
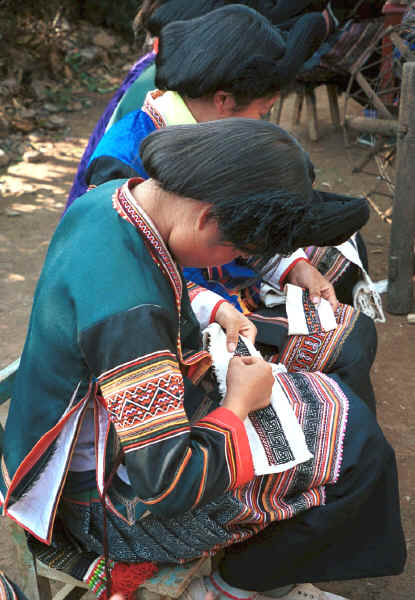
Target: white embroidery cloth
275, 437
366, 293
304, 317
270, 296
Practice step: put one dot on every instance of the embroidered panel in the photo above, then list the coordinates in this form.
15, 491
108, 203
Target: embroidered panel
329, 261
268, 426
321, 409
319, 351
154, 115
272, 436
144, 399
311, 313
121, 201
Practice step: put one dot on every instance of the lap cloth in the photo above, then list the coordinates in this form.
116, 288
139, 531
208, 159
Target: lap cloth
333, 517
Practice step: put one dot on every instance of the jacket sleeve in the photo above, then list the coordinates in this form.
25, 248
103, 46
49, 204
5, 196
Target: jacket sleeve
205, 303
108, 168
173, 465
117, 153
282, 266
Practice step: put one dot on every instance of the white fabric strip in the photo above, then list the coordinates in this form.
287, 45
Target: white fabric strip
292, 435
273, 277
296, 312
271, 296
34, 510
365, 295
203, 304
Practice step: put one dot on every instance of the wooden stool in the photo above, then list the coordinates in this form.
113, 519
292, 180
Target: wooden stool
306, 91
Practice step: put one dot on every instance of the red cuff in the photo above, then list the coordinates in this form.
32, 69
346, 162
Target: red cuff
215, 310
194, 290
290, 268
238, 451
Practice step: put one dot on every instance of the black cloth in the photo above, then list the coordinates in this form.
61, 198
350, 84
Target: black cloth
355, 534
303, 36
278, 11
304, 31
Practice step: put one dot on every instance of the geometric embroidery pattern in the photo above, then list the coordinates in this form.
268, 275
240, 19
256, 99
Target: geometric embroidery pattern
321, 409
319, 351
269, 429
311, 314
139, 403
329, 261
268, 426
144, 399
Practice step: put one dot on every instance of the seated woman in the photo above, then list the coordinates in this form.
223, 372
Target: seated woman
115, 423
156, 14
218, 83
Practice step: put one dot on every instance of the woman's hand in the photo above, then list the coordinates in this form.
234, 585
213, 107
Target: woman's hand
305, 275
235, 324
249, 384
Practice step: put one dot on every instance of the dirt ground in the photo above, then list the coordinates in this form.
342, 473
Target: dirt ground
32, 197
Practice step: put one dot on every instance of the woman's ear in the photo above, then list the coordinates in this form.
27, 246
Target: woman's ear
204, 219
224, 104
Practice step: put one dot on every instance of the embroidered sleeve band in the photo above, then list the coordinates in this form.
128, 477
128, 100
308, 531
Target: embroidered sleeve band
171, 465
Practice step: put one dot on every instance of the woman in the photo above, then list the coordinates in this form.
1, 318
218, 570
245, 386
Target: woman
236, 73
156, 14
114, 397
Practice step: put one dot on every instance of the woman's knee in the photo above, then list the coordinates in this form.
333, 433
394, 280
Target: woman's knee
366, 341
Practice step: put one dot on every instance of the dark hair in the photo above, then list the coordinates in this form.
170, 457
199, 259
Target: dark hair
254, 174
156, 14
141, 19
233, 48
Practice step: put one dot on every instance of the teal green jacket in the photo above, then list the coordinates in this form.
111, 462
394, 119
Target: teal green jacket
112, 331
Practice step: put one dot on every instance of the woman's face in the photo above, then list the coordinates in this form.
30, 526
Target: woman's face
213, 255
257, 109
201, 246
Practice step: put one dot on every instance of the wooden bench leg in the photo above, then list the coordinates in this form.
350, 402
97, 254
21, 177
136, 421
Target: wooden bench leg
298, 107
333, 104
311, 104
29, 583
45, 593
276, 109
